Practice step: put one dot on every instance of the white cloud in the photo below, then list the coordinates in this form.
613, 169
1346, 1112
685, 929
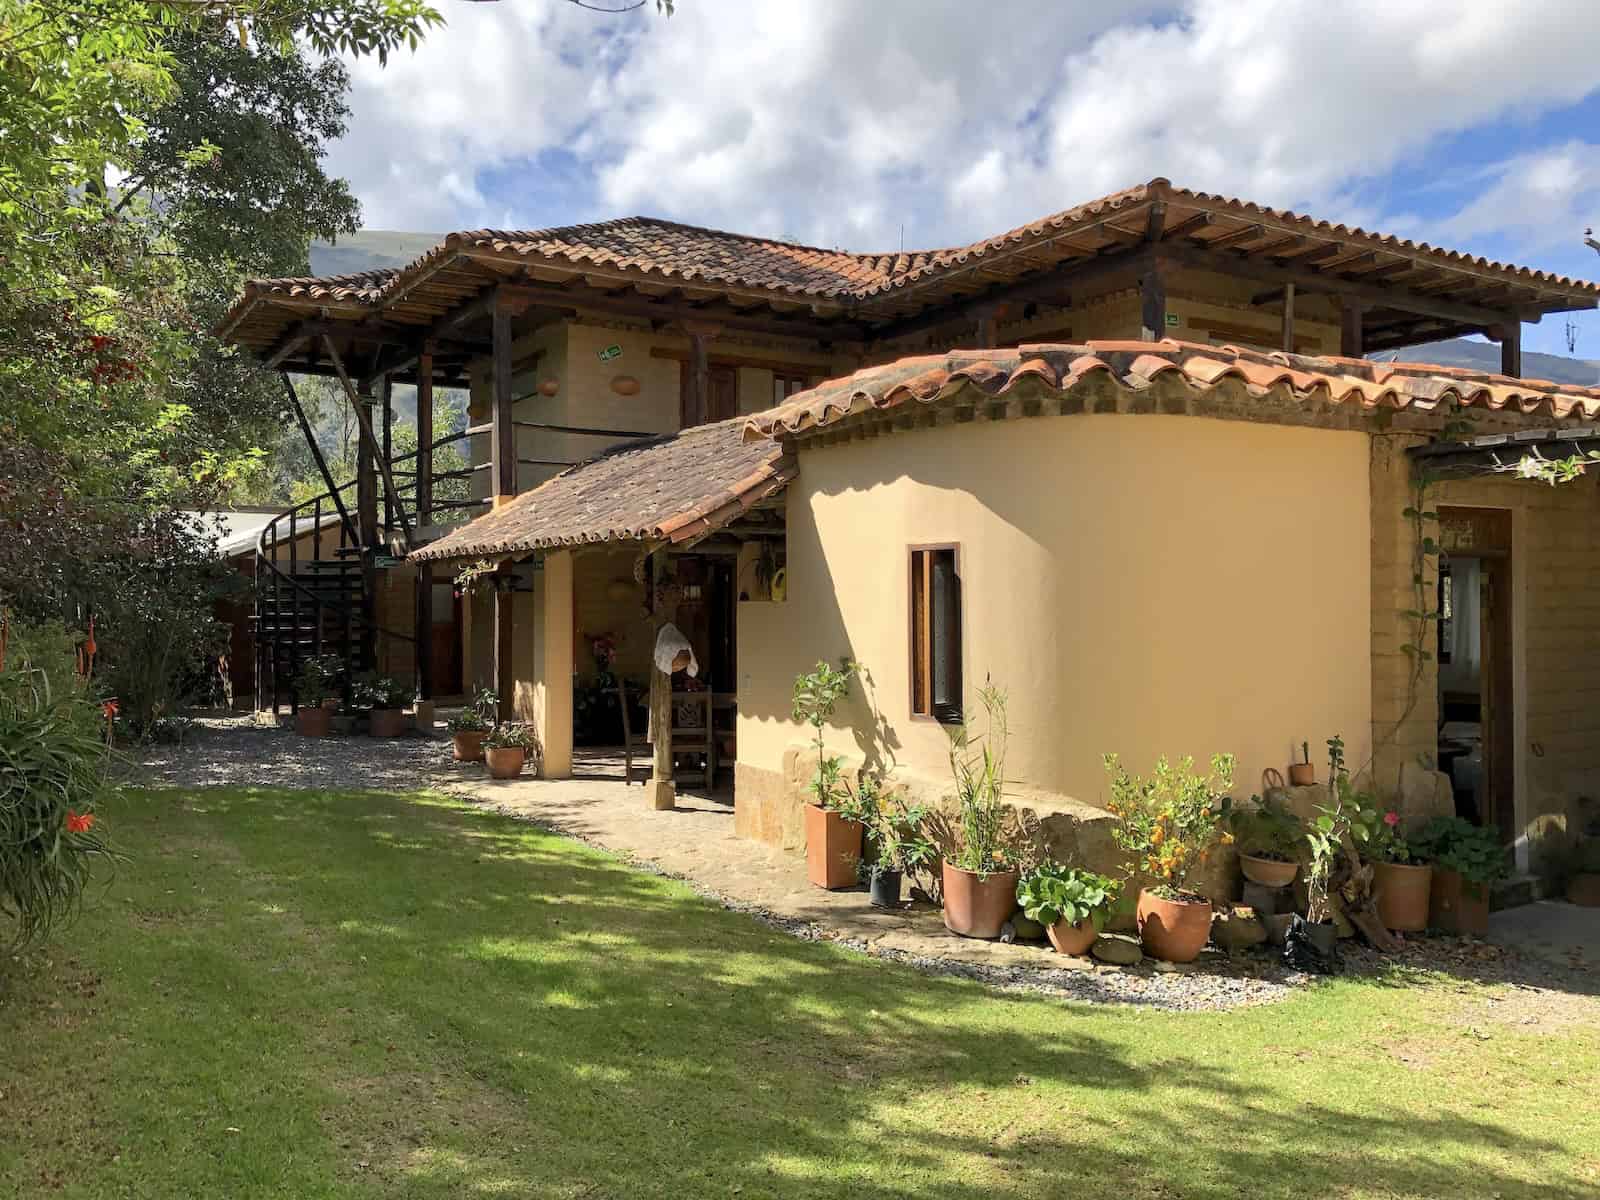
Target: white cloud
1538, 200
837, 121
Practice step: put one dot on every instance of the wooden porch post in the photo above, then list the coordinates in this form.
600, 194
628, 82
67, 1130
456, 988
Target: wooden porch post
504, 672
367, 523
424, 501
699, 380
663, 793
1288, 318
1152, 304
1350, 314
985, 333
503, 434
1511, 349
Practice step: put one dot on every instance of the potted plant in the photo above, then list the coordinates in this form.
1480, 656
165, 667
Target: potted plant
316, 693
387, 697
508, 747
471, 725
1303, 774
1270, 838
1467, 860
834, 818
1400, 880
899, 843
979, 876
1168, 824
1069, 902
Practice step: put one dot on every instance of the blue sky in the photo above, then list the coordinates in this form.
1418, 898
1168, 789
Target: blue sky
1474, 126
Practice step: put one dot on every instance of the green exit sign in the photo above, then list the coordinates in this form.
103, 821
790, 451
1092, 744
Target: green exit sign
1172, 319
610, 352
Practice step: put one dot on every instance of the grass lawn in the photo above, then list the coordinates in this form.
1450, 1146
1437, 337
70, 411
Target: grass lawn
302, 994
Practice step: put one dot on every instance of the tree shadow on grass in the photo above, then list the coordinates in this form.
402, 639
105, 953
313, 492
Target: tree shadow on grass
642, 1041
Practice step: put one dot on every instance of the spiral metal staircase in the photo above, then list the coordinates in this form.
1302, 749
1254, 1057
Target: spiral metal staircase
318, 598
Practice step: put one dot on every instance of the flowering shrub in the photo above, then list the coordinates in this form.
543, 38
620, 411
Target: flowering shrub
1169, 822
1385, 841
53, 753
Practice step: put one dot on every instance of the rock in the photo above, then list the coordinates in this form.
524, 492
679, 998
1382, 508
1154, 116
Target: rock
1117, 948
1237, 928
1027, 930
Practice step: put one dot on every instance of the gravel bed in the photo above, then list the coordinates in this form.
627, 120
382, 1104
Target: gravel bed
237, 752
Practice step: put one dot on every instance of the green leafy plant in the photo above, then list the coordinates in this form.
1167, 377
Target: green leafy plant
817, 694
318, 680
513, 735
1169, 822
53, 759
977, 763
1267, 829
1334, 835
468, 720
1386, 841
1051, 892
897, 830
1473, 851
371, 689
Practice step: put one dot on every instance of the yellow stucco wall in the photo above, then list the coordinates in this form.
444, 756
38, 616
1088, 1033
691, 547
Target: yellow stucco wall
1139, 584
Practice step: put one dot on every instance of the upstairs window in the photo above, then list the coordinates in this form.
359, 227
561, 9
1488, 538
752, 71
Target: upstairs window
785, 385
935, 634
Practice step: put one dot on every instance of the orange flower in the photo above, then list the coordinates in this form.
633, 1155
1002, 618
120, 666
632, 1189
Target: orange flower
1227, 838
1159, 836
79, 822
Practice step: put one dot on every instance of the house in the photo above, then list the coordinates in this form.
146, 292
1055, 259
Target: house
1128, 461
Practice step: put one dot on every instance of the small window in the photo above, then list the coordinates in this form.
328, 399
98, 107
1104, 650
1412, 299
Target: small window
935, 634
784, 386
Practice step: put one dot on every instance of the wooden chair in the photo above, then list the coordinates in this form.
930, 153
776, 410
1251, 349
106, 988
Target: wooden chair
692, 733
631, 741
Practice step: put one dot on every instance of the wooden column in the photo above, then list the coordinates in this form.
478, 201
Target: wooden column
367, 529
424, 502
387, 442
505, 685
1152, 304
699, 405
663, 792
1350, 341
1511, 349
556, 662
1288, 318
985, 335
503, 435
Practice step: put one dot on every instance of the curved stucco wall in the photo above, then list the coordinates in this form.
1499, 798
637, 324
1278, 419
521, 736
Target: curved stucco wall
1139, 584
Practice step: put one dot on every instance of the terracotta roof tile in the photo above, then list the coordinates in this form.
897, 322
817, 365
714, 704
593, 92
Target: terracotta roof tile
670, 488
931, 380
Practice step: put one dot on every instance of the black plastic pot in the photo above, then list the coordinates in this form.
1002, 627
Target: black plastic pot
883, 888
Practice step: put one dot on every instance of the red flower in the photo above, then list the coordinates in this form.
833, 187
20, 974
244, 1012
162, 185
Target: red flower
1391, 818
79, 822
110, 708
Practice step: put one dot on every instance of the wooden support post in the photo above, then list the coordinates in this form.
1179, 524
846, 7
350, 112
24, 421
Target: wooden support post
985, 334
423, 625
505, 684
1152, 304
699, 406
390, 500
1350, 315
1511, 349
367, 526
316, 454
663, 792
1288, 318
503, 433
364, 421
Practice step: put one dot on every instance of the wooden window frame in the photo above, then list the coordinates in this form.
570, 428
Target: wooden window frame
800, 377
920, 648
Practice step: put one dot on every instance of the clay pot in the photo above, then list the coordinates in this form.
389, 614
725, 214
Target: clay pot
1174, 930
467, 746
833, 848
1402, 895
1268, 872
1456, 906
387, 722
313, 722
977, 908
1302, 774
883, 889
1072, 939
505, 762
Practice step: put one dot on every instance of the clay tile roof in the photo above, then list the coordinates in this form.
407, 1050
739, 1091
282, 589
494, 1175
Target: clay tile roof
672, 488
930, 380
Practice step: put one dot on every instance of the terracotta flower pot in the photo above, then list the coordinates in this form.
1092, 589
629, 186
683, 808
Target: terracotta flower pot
1402, 895
387, 722
1072, 939
833, 848
975, 907
313, 722
505, 762
467, 746
1302, 774
1174, 930
1456, 906
1268, 872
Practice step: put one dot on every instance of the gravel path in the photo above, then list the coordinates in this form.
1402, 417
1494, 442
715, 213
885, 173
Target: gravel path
237, 752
